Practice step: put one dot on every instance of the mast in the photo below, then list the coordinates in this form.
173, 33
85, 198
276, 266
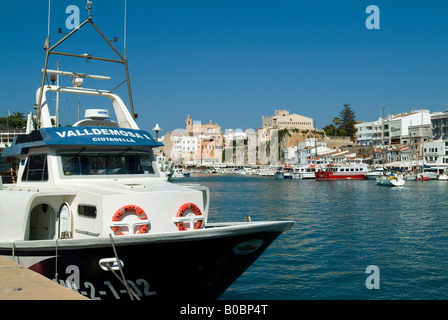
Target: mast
57, 97
420, 145
382, 136
315, 140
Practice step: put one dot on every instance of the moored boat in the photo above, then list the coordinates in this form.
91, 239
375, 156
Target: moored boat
305, 172
91, 211
343, 172
427, 175
375, 173
388, 180
283, 173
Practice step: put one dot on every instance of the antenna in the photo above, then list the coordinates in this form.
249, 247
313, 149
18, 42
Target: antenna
88, 7
125, 29
49, 5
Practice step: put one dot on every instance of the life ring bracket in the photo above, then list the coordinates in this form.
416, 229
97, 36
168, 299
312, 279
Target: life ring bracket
117, 223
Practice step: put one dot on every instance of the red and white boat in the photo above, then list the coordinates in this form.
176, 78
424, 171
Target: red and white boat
349, 171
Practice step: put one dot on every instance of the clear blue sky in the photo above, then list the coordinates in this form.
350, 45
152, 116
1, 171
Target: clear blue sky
233, 61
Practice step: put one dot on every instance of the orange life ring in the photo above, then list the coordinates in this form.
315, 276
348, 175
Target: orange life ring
195, 209
127, 209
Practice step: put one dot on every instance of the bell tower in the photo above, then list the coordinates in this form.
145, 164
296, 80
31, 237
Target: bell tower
188, 124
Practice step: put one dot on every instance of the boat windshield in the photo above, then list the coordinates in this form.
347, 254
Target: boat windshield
77, 163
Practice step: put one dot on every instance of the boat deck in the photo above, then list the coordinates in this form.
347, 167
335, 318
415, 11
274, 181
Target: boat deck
18, 283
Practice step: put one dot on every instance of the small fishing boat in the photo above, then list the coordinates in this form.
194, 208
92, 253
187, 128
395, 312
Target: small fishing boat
375, 173
91, 211
306, 171
283, 173
391, 181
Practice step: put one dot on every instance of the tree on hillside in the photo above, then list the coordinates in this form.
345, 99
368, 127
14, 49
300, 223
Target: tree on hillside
347, 118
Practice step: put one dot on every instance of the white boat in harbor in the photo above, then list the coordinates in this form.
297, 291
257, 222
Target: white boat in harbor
306, 172
375, 173
426, 175
283, 173
178, 173
443, 176
91, 211
388, 180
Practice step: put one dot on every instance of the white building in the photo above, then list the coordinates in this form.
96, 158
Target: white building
306, 150
435, 153
365, 133
394, 129
183, 146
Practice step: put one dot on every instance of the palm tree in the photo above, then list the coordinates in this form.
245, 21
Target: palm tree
336, 123
17, 120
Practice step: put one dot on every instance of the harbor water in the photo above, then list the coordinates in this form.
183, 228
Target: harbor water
342, 228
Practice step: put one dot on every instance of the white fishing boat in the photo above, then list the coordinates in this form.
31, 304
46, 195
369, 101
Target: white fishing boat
443, 176
306, 172
375, 173
283, 173
389, 180
91, 211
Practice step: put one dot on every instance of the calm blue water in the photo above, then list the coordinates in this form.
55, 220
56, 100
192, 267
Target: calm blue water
341, 228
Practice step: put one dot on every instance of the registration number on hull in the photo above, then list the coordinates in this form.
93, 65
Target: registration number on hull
139, 288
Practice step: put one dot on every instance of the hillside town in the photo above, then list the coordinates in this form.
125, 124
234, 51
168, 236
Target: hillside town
396, 140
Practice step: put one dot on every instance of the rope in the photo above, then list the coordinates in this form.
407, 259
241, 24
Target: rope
13, 251
131, 293
56, 263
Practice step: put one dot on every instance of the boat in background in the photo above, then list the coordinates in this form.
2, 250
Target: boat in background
390, 180
284, 173
375, 173
350, 171
443, 176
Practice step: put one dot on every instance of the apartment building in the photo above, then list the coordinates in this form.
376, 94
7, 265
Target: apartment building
393, 129
439, 124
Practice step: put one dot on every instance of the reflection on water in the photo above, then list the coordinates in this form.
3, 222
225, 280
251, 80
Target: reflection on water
341, 228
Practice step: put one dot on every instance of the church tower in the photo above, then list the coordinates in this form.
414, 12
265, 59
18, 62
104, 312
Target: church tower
188, 124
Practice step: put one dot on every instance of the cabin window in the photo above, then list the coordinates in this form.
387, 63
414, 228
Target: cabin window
107, 163
87, 211
36, 169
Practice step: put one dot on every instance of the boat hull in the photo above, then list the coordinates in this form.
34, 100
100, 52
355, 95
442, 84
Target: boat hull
323, 175
193, 265
427, 176
372, 175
